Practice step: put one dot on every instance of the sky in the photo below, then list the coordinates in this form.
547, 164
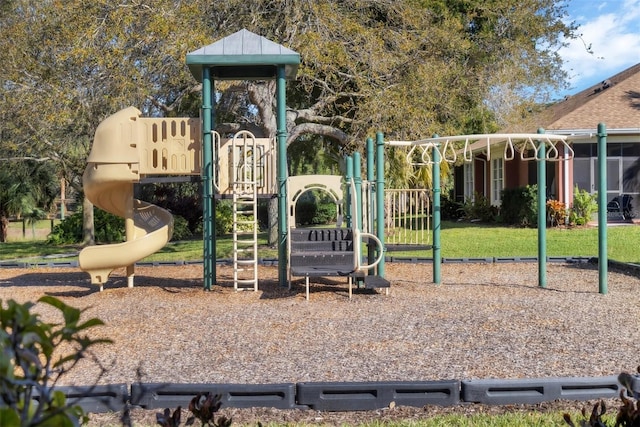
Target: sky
612, 29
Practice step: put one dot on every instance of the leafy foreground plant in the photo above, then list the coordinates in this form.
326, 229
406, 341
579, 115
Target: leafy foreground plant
30, 366
628, 414
202, 406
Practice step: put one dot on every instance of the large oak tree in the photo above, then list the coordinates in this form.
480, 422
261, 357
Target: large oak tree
409, 68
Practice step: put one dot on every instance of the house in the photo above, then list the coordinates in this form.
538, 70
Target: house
614, 102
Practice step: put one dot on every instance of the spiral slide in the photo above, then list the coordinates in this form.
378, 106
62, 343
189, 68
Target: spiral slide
112, 169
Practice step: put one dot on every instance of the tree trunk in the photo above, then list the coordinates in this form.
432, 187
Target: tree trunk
272, 218
4, 228
88, 229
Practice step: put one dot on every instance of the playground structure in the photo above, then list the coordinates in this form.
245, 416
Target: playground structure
122, 141
127, 147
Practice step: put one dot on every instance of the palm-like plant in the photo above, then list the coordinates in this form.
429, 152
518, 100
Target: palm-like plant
26, 189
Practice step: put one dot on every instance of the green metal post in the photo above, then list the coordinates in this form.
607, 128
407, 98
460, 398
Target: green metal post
437, 249
603, 259
380, 197
357, 180
370, 159
541, 155
371, 256
348, 214
281, 170
208, 213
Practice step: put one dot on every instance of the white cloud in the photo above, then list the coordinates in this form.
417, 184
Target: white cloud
612, 31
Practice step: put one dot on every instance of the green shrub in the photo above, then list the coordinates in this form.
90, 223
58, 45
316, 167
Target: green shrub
31, 363
181, 229
182, 199
224, 217
325, 213
520, 206
108, 229
310, 212
450, 210
479, 208
584, 206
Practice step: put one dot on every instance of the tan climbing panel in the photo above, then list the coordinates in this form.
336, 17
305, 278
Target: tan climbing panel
170, 146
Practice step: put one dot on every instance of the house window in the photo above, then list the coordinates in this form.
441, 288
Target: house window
468, 181
497, 180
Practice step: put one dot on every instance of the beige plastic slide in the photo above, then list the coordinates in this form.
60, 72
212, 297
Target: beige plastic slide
113, 166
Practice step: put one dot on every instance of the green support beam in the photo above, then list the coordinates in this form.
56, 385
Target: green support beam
541, 155
208, 208
281, 171
371, 246
348, 211
380, 197
437, 250
603, 259
357, 180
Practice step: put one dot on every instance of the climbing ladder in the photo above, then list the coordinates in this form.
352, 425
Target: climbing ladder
245, 211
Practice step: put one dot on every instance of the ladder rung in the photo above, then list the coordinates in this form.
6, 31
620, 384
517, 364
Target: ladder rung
246, 281
245, 237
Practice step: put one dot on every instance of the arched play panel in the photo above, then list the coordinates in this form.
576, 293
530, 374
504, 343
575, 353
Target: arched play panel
299, 185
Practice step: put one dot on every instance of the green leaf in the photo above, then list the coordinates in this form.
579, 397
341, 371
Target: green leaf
9, 418
90, 323
71, 315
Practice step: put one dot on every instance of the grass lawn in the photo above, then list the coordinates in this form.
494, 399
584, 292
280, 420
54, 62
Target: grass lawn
458, 240
474, 240
24, 230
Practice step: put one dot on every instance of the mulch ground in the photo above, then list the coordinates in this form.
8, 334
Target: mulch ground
484, 321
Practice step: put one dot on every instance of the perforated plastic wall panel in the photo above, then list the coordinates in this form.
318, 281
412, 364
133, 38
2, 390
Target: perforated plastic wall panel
155, 395
528, 391
328, 396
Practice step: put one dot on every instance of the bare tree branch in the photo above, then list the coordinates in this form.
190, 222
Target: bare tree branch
318, 129
23, 158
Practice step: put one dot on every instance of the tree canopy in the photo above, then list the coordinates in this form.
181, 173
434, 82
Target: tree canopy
408, 68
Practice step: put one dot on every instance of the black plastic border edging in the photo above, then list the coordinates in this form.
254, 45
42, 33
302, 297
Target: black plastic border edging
97, 398
350, 396
158, 395
531, 391
327, 396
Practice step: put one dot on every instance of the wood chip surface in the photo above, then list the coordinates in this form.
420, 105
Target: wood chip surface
486, 320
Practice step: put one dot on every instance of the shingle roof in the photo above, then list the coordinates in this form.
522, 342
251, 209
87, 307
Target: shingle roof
615, 102
243, 55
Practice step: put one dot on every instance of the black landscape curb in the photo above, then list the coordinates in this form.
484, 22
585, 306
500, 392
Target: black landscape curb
350, 396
